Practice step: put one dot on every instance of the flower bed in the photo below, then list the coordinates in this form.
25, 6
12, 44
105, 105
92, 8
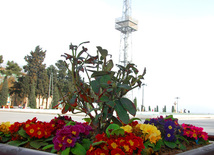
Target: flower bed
108, 128
64, 136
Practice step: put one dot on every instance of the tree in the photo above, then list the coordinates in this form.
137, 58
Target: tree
34, 62
164, 108
1, 59
61, 76
55, 97
13, 68
33, 69
173, 109
157, 109
135, 102
42, 84
32, 97
149, 108
52, 78
4, 92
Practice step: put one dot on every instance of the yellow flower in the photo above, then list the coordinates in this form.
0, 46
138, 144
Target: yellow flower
4, 127
150, 132
127, 128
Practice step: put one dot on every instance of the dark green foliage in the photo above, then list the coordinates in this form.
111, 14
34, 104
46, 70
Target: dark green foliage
135, 102
103, 91
55, 97
32, 97
37, 75
12, 68
149, 108
164, 109
4, 92
173, 109
1, 59
34, 62
157, 109
42, 83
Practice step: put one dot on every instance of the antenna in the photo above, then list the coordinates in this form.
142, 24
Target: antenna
126, 25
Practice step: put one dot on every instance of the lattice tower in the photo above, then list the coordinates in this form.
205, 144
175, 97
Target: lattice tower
126, 25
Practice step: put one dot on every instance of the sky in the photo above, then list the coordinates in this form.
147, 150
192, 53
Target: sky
174, 41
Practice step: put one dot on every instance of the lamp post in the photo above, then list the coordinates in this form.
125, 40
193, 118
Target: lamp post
143, 96
177, 102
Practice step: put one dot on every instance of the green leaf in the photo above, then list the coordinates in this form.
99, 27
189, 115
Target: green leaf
116, 121
118, 132
109, 65
182, 138
48, 139
151, 144
70, 123
128, 105
53, 150
14, 143
104, 99
66, 151
95, 86
171, 145
121, 112
125, 86
98, 143
78, 149
103, 52
168, 117
73, 99
23, 133
133, 119
111, 127
110, 104
158, 145
182, 147
65, 109
102, 73
146, 144
86, 143
104, 81
87, 120
105, 112
5, 139
17, 142
48, 147
36, 144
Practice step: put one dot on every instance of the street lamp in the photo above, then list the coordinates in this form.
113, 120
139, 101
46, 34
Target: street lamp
143, 96
177, 102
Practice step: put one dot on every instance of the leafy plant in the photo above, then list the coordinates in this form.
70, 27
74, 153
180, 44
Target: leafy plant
103, 92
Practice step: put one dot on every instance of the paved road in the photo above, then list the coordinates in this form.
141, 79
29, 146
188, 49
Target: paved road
206, 123
22, 117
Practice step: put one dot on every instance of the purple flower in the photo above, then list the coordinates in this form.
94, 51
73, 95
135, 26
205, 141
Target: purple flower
169, 126
170, 137
69, 142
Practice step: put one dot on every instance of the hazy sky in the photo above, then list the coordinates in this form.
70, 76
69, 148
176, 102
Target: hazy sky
174, 41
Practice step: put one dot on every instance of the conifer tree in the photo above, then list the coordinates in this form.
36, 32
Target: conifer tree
173, 109
4, 92
55, 97
32, 97
149, 108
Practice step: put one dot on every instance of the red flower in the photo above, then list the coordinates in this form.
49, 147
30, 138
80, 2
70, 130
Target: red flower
99, 151
32, 130
117, 151
127, 148
112, 144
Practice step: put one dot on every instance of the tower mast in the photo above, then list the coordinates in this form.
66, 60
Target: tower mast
126, 25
